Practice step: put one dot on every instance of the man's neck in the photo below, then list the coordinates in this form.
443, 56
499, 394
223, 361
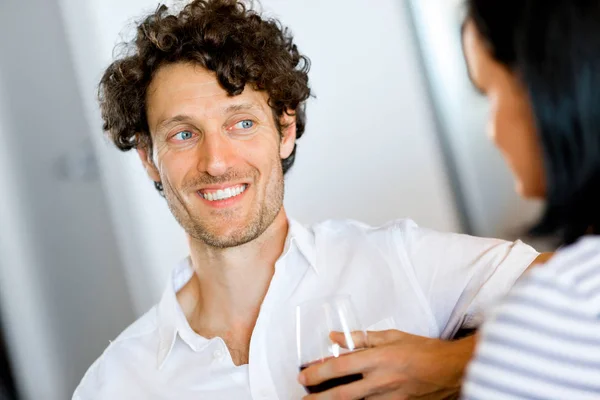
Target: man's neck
225, 294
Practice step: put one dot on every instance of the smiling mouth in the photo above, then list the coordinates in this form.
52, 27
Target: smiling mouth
223, 194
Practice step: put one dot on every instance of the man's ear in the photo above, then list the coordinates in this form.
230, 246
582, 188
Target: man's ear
145, 153
288, 133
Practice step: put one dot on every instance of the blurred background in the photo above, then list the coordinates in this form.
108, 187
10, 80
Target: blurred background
86, 244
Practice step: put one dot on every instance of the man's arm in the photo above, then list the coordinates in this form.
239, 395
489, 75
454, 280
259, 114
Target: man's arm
405, 365
542, 259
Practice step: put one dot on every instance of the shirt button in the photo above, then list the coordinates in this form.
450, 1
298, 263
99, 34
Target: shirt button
218, 355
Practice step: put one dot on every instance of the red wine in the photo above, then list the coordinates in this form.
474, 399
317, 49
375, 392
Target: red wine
344, 380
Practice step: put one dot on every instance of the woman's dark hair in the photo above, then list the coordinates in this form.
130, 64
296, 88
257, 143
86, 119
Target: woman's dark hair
553, 46
224, 36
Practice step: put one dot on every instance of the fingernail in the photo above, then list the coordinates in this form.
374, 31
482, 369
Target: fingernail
301, 379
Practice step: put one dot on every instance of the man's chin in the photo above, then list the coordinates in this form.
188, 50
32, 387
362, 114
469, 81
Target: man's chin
226, 242
226, 238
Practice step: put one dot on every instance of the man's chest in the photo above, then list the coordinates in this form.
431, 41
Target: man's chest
274, 353
208, 370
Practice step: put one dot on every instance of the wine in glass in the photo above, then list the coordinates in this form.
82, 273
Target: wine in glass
315, 321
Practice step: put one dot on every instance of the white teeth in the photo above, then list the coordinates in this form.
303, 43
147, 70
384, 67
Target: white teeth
225, 194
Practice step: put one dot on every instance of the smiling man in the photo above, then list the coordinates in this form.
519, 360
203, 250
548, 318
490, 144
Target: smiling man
231, 191
212, 98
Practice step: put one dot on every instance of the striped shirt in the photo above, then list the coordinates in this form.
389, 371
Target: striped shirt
543, 341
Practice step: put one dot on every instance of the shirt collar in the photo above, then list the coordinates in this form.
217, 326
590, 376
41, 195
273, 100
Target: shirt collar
172, 321
305, 241
170, 315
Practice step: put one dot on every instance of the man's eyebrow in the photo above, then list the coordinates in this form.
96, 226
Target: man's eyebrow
175, 119
241, 107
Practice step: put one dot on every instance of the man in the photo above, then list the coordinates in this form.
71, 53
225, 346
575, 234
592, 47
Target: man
212, 99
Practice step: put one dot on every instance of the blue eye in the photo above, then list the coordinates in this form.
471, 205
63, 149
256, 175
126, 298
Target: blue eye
245, 124
183, 135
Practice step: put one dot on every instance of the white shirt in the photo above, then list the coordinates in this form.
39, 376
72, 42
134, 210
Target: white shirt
543, 342
400, 276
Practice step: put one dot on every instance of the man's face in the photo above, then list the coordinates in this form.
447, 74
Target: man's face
218, 157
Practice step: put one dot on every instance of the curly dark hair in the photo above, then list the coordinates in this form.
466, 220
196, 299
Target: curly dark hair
224, 36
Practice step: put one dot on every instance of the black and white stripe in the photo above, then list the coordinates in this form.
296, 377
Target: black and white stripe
543, 342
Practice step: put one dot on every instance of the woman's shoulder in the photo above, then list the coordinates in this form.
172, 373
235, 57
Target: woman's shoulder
569, 281
576, 266
546, 331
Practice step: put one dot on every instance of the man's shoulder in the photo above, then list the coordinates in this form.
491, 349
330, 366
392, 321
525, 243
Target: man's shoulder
137, 338
142, 326
349, 227
352, 237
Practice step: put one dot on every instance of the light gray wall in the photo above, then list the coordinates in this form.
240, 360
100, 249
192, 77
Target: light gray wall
370, 151
62, 254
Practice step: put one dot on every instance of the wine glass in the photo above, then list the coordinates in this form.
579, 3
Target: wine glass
315, 320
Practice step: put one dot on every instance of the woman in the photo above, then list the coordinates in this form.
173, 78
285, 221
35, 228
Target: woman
538, 62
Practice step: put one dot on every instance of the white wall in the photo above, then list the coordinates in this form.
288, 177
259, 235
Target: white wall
62, 290
369, 153
20, 286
